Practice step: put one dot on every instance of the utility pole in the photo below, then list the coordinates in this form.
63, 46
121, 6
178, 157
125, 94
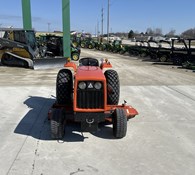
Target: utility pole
98, 31
102, 21
95, 30
48, 26
108, 20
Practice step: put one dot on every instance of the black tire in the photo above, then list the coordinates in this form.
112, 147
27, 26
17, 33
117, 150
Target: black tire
83, 45
163, 58
122, 52
90, 46
153, 56
143, 54
9, 60
57, 124
113, 87
119, 123
64, 87
75, 56
101, 48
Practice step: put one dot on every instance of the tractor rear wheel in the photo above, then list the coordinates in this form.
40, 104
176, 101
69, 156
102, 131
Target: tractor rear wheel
113, 87
64, 87
57, 124
119, 123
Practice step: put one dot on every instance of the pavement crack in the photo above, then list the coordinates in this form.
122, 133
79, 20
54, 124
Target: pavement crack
75, 172
181, 93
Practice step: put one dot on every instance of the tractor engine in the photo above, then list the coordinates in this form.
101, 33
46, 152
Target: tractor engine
89, 89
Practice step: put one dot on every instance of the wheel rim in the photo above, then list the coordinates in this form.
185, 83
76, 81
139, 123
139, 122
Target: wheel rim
75, 57
163, 59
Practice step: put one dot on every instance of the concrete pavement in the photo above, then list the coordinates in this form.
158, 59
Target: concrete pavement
160, 140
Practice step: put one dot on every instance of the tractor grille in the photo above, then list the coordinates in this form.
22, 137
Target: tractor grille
90, 98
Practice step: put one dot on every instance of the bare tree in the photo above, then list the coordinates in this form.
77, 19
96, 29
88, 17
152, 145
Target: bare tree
171, 33
158, 31
190, 33
149, 31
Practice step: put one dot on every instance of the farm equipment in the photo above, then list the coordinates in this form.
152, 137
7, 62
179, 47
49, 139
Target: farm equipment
90, 99
116, 46
182, 51
134, 50
124, 49
144, 49
164, 51
19, 48
52, 46
153, 49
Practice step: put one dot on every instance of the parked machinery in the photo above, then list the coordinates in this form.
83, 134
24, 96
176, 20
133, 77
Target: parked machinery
182, 51
18, 48
52, 46
89, 94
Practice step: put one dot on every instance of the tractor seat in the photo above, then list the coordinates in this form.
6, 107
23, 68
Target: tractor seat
88, 62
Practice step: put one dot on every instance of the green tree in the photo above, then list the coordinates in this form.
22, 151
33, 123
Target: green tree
131, 34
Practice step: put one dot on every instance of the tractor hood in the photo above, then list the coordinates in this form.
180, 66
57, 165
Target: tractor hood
89, 73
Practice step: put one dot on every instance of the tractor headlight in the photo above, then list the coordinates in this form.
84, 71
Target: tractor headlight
82, 85
98, 85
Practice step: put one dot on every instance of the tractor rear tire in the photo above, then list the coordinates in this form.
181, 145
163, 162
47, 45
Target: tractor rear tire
113, 87
64, 87
119, 123
57, 124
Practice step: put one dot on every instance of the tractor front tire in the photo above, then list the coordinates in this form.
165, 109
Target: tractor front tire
64, 87
113, 87
57, 124
119, 123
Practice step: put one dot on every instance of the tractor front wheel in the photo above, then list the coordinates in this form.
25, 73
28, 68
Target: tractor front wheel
119, 123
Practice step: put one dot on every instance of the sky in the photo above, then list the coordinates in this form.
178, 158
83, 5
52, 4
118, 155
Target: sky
85, 15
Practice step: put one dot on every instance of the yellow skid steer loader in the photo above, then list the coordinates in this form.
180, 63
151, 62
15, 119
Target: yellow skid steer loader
18, 47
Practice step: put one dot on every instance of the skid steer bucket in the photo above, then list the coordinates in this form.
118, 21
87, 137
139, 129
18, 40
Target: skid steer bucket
49, 63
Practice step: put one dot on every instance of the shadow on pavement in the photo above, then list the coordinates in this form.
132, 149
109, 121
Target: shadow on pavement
105, 131
36, 124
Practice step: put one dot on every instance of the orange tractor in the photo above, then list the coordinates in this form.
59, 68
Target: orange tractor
89, 94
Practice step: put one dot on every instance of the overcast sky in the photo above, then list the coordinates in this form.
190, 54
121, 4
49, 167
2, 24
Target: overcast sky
125, 15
